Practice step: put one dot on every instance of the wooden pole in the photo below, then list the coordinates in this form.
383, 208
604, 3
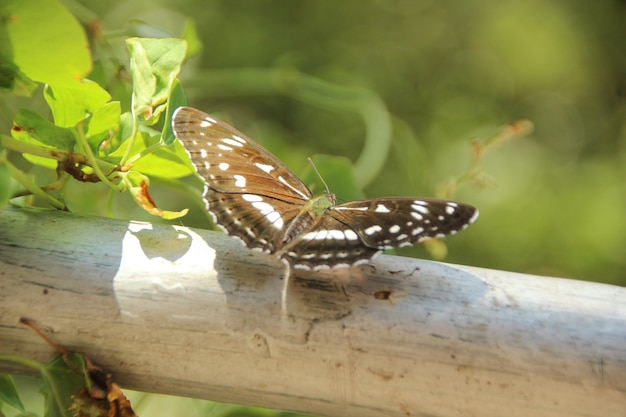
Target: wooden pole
174, 310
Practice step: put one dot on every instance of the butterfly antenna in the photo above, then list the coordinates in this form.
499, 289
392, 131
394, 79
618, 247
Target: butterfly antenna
318, 174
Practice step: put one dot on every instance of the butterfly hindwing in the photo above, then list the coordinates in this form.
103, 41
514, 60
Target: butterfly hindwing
259, 221
327, 244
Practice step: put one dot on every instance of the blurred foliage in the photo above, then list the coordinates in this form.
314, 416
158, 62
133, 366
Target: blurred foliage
446, 72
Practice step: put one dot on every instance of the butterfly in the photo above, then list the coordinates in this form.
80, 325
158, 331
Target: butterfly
253, 196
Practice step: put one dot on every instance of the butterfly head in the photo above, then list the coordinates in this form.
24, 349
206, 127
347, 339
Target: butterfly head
318, 206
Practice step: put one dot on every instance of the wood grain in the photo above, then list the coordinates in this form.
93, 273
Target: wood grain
188, 312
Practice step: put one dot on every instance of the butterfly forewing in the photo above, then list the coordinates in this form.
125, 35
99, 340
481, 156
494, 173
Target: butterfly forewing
386, 223
255, 197
230, 162
251, 194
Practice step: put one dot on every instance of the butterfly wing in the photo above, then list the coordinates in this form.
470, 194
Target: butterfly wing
329, 243
259, 221
230, 162
386, 223
251, 193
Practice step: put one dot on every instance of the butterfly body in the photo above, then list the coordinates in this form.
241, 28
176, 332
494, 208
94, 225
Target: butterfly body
309, 215
253, 196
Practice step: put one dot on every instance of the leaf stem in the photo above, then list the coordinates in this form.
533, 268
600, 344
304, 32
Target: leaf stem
92, 161
33, 188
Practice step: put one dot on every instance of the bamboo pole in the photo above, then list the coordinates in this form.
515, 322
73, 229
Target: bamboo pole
174, 310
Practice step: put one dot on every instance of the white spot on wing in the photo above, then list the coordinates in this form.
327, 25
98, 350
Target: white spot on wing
270, 214
350, 235
264, 167
232, 142
251, 198
420, 209
224, 147
474, 217
203, 153
321, 235
294, 189
224, 166
381, 208
417, 216
394, 229
240, 180
274, 218
373, 229
336, 234
351, 208
263, 207
364, 261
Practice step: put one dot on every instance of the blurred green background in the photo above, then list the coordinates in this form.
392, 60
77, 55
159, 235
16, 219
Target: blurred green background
553, 203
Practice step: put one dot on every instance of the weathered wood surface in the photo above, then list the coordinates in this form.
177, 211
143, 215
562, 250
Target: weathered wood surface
189, 312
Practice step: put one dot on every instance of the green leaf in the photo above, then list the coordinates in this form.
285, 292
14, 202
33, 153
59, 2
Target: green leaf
30, 127
5, 183
44, 41
105, 118
142, 141
103, 123
176, 100
63, 378
154, 65
165, 162
169, 162
9, 394
126, 128
71, 103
